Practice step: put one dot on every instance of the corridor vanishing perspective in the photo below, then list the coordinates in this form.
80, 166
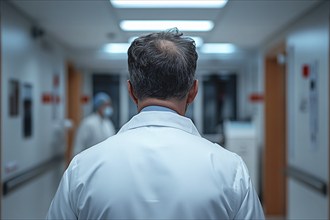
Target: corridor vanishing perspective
263, 91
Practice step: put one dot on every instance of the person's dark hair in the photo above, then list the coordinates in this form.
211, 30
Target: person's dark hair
162, 65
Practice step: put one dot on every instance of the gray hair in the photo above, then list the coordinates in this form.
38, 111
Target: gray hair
162, 65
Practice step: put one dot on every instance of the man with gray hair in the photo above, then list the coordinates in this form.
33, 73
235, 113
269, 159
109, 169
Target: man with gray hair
158, 166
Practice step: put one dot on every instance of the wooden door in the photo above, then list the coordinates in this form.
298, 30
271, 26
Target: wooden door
329, 124
274, 180
73, 94
0, 124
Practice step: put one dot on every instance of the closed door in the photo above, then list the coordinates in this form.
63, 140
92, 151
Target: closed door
274, 181
73, 94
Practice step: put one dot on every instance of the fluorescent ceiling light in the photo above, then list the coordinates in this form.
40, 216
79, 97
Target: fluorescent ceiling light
198, 40
154, 25
223, 48
116, 48
168, 4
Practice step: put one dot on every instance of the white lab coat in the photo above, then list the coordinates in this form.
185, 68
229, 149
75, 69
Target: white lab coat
156, 167
92, 130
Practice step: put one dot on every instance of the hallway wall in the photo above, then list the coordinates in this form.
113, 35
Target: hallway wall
37, 66
307, 47
308, 113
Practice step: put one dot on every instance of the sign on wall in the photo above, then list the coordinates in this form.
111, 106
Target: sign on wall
13, 97
309, 102
27, 110
314, 106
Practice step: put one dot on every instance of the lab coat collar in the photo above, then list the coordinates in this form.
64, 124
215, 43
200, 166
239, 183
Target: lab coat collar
160, 119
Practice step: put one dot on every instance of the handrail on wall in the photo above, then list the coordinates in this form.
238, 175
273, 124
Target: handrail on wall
307, 179
24, 177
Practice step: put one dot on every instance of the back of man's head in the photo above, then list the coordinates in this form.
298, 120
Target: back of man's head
162, 65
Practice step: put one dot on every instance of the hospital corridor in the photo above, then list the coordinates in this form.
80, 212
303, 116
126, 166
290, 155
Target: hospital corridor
263, 92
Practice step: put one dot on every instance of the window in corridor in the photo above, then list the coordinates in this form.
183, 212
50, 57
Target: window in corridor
109, 84
219, 102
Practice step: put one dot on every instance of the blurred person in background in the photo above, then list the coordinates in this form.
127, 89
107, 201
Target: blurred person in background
158, 166
97, 126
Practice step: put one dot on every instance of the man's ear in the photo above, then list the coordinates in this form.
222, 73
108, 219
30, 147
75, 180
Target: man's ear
131, 92
193, 92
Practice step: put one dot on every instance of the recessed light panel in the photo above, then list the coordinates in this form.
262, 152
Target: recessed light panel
222, 48
168, 3
154, 25
116, 48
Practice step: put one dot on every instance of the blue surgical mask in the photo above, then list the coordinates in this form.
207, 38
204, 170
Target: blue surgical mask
107, 112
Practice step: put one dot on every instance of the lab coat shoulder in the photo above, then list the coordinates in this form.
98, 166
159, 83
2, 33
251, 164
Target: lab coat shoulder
90, 120
94, 122
83, 133
248, 205
86, 126
112, 127
64, 202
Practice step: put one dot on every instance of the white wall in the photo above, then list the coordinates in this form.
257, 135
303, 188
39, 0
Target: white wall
308, 43
87, 90
248, 84
32, 61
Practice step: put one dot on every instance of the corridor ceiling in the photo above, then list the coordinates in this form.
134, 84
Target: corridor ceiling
84, 26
